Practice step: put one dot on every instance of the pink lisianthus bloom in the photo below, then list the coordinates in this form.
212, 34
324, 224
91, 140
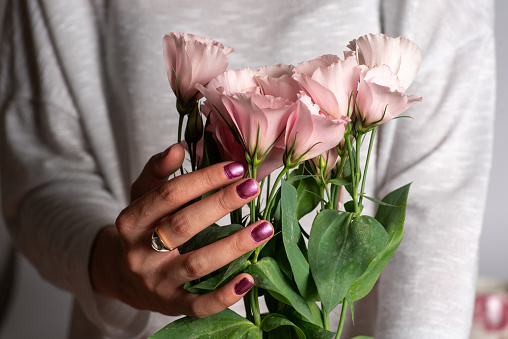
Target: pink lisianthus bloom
259, 119
241, 102
192, 60
400, 54
381, 97
330, 85
310, 132
277, 81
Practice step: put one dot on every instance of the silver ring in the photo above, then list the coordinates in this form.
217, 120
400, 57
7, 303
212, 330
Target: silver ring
158, 244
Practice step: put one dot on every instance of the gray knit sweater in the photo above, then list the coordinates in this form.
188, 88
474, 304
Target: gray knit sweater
85, 101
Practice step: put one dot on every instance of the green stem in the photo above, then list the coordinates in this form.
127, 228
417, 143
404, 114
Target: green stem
371, 143
247, 305
180, 127
335, 188
326, 321
352, 159
254, 300
266, 215
342, 317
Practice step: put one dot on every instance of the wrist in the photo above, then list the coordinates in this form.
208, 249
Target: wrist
104, 264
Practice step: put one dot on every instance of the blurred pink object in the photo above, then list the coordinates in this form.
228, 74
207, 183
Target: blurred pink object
490, 320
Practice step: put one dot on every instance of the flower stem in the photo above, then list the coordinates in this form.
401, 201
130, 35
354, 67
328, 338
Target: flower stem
266, 215
254, 300
353, 159
180, 127
342, 317
371, 143
326, 321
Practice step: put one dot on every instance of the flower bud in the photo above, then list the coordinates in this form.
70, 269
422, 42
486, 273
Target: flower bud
194, 129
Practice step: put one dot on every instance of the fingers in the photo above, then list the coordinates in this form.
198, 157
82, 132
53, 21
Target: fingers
140, 216
183, 225
201, 262
205, 305
157, 170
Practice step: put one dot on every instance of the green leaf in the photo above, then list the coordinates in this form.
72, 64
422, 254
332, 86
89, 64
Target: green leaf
209, 235
363, 337
267, 275
307, 191
221, 278
392, 218
312, 331
292, 237
226, 324
340, 250
379, 202
273, 321
340, 181
294, 178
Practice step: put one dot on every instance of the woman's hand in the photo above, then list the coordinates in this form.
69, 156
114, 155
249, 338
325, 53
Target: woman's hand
124, 265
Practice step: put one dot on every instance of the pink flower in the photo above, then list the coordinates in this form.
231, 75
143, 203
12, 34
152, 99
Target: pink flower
234, 140
380, 90
329, 86
227, 83
309, 132
277, 81
260, 120
192, 60
400, 54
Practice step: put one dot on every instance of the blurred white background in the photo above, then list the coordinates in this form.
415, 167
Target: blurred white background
38, 310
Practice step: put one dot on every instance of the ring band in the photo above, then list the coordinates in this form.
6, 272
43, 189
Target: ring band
158, 244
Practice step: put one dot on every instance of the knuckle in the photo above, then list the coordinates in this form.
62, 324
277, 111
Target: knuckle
197, 309
169, 193
194, 266
179, 226
209, 179
224, 202
238, 246
124, 220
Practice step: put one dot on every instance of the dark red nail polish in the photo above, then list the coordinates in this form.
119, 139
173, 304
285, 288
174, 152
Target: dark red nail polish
234, 170
261, 232
166, 151
247, 189
243, 286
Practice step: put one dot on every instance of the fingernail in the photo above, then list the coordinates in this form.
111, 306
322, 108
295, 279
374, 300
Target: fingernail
243, 286
261, 232
166, 151
247, 189
234, 170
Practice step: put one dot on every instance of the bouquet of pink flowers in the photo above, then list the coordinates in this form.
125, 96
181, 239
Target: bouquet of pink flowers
309, 121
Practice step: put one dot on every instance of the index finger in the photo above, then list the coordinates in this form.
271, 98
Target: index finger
165, 199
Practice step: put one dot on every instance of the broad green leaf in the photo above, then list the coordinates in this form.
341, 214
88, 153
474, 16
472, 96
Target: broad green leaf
291, 236
340, 250
226, 324
273, 321
296, 178
312, 331
392, 218
267, 275
363, 337
209, 235
221, 278
307, 190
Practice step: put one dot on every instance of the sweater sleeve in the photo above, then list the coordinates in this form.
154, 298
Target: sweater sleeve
428, 288
60, 180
